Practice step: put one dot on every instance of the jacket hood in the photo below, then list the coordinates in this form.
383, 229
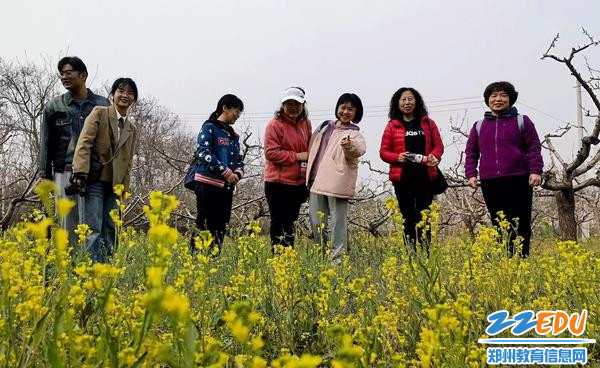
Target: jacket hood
342, 126
506, 114
349, 127
221, 125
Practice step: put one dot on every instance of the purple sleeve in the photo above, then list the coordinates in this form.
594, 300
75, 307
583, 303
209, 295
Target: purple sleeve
533, 147
472, 153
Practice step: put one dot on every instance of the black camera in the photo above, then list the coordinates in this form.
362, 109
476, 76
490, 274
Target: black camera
73, 189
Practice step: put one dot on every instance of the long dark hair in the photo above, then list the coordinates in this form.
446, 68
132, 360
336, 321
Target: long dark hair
229, 101
420, 108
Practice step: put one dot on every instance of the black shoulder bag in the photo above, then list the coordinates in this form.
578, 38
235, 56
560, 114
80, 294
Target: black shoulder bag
189, 182
439, 184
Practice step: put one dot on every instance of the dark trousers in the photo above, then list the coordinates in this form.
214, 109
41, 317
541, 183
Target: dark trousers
284, 205
412, 199
214, 210
513, 195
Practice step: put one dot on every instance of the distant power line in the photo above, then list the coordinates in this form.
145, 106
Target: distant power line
328, 111
373, 111
542, 112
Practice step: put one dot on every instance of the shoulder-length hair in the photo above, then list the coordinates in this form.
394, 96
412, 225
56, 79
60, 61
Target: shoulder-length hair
420, 108
355, 101
122, 83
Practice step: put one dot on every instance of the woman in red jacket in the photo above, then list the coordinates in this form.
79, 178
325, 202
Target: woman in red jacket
286, 153
413, 147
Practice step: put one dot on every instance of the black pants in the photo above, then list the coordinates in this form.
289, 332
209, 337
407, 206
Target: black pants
412, 199
214, 210
513, 195
284, 205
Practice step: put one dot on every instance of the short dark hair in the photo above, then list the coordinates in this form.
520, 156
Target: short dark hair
122, 82
230, 101
420, 108
501, 87
355, 101
76, 63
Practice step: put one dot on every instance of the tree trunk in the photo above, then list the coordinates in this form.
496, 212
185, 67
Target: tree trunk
565, 204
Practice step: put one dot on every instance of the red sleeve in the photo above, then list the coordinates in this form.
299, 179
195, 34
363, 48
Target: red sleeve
273, 150
386, 149
438, 144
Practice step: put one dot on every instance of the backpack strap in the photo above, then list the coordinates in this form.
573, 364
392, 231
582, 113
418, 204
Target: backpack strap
520, 121
478, 124
322, 126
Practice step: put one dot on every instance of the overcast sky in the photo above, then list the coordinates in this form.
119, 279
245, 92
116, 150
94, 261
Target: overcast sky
189, 53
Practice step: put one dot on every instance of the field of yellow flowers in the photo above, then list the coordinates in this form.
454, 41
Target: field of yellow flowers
157, 304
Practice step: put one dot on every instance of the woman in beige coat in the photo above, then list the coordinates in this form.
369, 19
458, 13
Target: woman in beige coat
103, 159
332, 171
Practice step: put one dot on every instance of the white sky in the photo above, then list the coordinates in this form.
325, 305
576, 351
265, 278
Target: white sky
189, 53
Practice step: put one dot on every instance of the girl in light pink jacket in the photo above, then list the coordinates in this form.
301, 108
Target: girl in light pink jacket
332, 171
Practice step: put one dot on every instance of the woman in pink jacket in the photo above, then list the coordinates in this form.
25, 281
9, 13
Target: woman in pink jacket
286, 152
332, 172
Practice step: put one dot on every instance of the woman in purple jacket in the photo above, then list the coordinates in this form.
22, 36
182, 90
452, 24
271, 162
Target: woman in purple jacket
508, 150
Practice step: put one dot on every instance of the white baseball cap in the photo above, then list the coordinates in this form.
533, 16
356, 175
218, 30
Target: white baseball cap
293, 93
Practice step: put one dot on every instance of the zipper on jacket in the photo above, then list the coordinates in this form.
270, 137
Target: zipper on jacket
496, 148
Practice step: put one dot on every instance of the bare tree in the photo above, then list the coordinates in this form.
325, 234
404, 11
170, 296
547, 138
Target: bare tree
565, 178
25, 89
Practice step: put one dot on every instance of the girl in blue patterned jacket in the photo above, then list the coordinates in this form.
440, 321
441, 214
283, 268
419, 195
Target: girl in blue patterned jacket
219, 169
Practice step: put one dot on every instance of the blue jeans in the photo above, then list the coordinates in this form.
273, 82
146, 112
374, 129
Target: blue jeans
99, 200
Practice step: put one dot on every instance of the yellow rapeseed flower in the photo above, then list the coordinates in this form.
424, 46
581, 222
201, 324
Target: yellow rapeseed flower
64, 206
115, 215
163, 234
154, 276
44, 190
62, 239
305, 361
257, 344
40, 229
118, 189
175, 304
258, 362
239, 331
83, 231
